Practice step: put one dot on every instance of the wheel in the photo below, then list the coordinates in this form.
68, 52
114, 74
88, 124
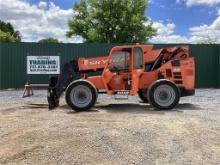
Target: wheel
163, 94
142, 93
81, 95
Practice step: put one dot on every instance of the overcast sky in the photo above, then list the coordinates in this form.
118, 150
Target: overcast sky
178, 21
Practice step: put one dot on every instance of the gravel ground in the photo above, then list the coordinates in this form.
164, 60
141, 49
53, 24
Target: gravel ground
113, 132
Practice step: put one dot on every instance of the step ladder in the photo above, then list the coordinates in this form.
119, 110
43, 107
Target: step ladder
121, 94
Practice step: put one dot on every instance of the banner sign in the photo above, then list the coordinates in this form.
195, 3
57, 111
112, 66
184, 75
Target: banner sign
43, 65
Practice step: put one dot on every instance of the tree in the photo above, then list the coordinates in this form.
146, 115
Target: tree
8, 29
111, 21
49, 40
6, 37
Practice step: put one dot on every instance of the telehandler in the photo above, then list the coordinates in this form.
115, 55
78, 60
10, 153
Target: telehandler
159, 76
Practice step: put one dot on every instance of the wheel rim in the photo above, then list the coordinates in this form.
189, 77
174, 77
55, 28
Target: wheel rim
81, 96
164, 95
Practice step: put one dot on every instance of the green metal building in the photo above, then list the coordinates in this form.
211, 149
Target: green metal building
13, 60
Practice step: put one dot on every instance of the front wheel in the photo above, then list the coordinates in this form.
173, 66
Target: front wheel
163, 94
81, 95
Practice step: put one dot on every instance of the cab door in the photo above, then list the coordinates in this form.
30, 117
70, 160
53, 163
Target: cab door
116, 75
137, 69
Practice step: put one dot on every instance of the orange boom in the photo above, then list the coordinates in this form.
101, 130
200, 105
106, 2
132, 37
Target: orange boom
159, 77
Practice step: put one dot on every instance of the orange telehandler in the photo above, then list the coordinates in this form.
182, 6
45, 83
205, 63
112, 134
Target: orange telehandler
160, 77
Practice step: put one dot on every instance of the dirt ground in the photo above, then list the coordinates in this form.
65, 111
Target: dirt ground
113, 132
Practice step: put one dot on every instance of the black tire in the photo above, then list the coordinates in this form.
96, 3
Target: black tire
163, 94
81, 95
142, 93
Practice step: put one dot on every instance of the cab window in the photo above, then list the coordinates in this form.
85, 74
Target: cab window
138, 58
119, 61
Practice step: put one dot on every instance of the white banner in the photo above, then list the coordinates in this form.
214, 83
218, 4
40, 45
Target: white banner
43, 65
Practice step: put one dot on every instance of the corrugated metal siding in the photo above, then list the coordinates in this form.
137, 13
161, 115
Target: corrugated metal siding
13, 61
219, 66
206, 58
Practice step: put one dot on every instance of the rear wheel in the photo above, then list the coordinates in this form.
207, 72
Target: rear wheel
142, 93
163, 94
81, 95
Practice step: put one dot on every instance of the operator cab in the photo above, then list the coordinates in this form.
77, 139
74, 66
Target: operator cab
123, 62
